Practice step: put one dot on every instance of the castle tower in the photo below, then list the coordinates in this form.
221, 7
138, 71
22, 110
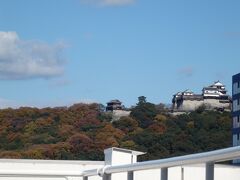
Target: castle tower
114, 105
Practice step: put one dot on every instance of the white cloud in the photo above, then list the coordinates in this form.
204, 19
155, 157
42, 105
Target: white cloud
109, 2
22, 59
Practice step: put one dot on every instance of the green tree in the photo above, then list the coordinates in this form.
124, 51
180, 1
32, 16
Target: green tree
144, 112
126, 124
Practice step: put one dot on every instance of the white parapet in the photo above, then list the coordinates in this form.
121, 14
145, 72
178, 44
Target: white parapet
17, 169
74, 170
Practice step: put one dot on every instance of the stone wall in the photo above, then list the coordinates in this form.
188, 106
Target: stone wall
191, 105
117, 114
214, 103
188, 105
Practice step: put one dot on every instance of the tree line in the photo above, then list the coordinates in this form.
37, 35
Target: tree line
83, 131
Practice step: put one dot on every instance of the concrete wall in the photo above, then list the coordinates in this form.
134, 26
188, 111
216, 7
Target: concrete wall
222, 172
194, 172
46, 167
113, 156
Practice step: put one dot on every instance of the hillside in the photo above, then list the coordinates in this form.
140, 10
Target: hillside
83, 131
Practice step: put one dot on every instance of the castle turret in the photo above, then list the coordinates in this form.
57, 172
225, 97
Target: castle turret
117, 110
114, 105
216, 90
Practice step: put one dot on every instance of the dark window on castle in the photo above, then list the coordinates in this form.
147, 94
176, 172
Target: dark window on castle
238, 101
238, 117
238, 136
238, 84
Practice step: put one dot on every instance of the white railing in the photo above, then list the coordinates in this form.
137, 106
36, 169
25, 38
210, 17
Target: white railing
208, 158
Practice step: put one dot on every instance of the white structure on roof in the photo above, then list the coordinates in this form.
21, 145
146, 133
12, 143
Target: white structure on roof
119, 156
213, 97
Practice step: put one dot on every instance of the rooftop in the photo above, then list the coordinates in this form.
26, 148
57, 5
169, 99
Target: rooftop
115, 101
137, 153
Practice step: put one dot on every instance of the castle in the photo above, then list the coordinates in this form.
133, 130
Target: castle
213, 97
117, 110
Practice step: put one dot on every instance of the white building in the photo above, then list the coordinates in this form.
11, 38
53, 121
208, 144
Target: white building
236, 111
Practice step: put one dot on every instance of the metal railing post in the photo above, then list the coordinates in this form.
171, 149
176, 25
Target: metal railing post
182, 173
107, 177
164, 174
130, 175
210, 171
85, 178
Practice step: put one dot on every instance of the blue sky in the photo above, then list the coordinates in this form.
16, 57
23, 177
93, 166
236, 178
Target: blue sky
58, 52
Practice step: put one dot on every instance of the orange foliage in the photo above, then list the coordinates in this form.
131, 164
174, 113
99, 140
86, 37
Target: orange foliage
157, 128
10, 155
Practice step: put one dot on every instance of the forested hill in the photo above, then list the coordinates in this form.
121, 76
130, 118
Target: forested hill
83, 131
